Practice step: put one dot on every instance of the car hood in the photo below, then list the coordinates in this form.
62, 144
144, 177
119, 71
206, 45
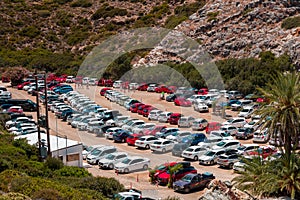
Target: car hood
121, 165
180, 183
104, 160
205, 157
164, 175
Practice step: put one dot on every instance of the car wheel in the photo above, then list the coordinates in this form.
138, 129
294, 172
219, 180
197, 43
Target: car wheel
164, 150
145, 167
187, 190
196, 158
111, 166
147, 146
126, 170
230, 165
246, 137
124, 140
211, 162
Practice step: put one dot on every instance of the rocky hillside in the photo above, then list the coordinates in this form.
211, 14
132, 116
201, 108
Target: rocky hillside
240, 29
78, 25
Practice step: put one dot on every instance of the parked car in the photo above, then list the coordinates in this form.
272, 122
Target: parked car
121, 136
210, 141
236, 121
246, 148
244, 133
200, 106
99, 153
164, 167
163, 178
185, 121
232, 130
227, 160
174, 118
132, 163
234, 94
181, 101
194, 139
220, 134
154, 114
179, 148
132, 138
193, 152
211, 126
162, 145
145, 141
210, 157
246, 112
111, 131
178, 135
264, 151
109, 161
154, 130
166, 132
164, 116
227, 144
261, 135
192, 182
199, 124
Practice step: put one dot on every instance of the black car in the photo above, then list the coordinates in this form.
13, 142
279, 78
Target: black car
121, 136
193, 182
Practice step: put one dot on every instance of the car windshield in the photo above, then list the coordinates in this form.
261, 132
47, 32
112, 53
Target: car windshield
110, 156
209, 153
241, 148
96, 152
189, 150
220, 144
126, 161
224, 134
161, 167
158, 142
188, 177
242, 130
89, 148
142, 139
230, 120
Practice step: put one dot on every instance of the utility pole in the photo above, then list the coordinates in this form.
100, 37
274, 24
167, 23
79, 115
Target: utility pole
38, 116
46, 120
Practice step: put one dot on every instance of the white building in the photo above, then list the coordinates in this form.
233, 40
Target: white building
69, 151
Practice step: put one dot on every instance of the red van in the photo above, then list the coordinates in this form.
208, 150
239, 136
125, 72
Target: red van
174, 117
213, 126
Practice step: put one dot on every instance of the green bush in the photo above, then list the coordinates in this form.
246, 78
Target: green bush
30, 31
53, 163
108, 11
76, 37
72, 171
44, 13
82, 3
291, 22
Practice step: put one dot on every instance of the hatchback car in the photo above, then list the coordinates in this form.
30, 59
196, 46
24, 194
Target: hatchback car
193, 152
232, 130
227, 160
186, 121
166, 132
162, 145
132, 163
145, 141
99, 153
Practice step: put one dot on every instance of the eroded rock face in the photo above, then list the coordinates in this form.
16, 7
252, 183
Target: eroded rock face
241, 28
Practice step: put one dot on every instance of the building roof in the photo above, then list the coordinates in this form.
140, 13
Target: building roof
56, 143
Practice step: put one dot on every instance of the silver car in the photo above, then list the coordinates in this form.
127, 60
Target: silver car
109, 161
132, 163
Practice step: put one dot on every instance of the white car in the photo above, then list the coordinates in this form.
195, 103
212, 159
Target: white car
232, 130
99, 153
133, 86
109, 161
177, 136
227, 144
70, 79
246, 148
145, 141
132, 163
109, 132
261, 136
199, 124
246, 112
252, 124
154, 114
185, 121
236, 121
11, 123
222, 134
210, 157
193, 152
89, 149
200, 106
20, 125
240, 165
140, 128
164, 116
209, 142
162, 145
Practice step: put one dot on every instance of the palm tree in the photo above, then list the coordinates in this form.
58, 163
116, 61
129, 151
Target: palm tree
172, 171
283, 92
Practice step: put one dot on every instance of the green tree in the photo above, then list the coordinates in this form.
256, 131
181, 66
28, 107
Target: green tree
16, 74
284, 95
172, 171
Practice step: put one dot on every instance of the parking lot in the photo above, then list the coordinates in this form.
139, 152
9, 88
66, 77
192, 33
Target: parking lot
139, 180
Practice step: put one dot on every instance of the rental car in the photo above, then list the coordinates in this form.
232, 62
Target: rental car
232, 130
111, 131
109, 161
209, 142
145, 141
193, 182
193, 152
236, 121
154, 114
194, 139
121, 136
221, 134
132, 163
132, 138
181, 101
261, 136
162, 145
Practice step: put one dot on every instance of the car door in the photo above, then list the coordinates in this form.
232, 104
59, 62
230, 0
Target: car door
136, 164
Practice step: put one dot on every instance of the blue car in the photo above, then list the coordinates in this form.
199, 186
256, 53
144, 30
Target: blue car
194, 139
121, 136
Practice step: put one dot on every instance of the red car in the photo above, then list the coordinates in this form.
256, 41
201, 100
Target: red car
15, 109
103, 90
132, 138
203, 91
163, 178
141, 108
180, 101
264, 152
212, 126
20, 86
147, 110
174, 117
154, 130
62, 78
163, 88
135, 106
142, 87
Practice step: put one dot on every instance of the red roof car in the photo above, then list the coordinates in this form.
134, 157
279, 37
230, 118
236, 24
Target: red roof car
163, 178
20, 86
135, 106
163, 88
132, 138
212, 126
141, 108
154, 130
174, 117
203, 91
180, 101
103, 90
147, 110
15, 109
264, 152
143, 87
